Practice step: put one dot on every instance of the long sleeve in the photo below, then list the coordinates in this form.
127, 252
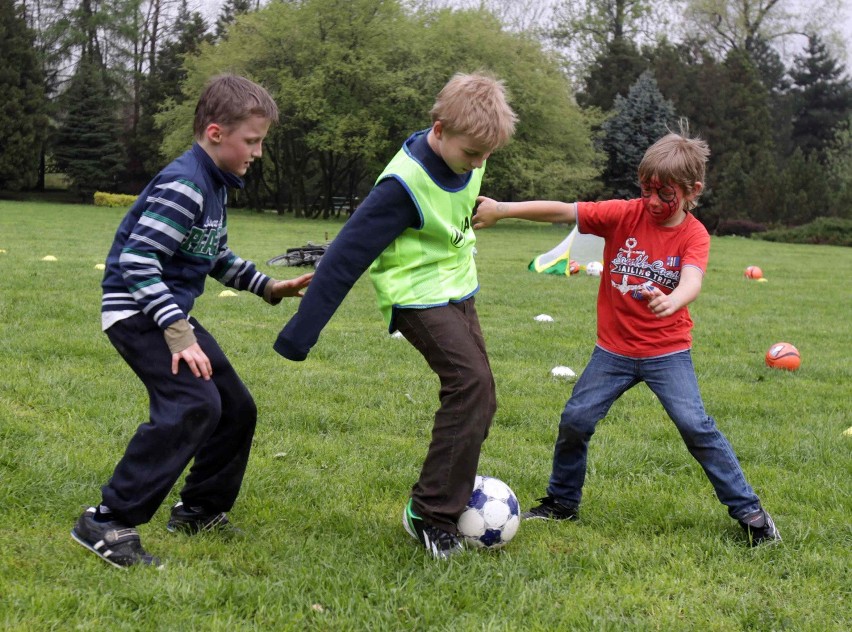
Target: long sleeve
386, 212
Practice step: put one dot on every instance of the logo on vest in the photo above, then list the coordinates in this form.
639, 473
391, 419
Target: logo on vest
457, 238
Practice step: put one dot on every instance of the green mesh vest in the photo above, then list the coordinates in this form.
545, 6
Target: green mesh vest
432, 265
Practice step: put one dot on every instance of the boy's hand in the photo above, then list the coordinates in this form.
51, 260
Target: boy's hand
486, 214
196, 360
661, 305
276, 290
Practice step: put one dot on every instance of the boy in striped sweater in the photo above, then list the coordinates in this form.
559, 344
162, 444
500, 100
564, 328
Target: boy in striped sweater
173, 237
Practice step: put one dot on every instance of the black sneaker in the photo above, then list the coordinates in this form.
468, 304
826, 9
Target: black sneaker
113, 541
551, 509
195, 520
440, 544
760, 528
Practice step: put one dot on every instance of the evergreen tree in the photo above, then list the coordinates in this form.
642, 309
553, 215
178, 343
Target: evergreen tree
87, 147
22, 111
163, 85
839, 171
228, 15
641, 118
822, 98
611, 74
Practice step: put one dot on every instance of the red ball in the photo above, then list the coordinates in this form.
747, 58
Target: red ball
573, 267
753, 272
783, 355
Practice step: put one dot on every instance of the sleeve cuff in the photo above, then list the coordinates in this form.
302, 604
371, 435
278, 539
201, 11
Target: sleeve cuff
284, 348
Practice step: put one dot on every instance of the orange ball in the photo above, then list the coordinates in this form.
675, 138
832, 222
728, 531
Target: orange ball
753, 272
783, 355
573, 267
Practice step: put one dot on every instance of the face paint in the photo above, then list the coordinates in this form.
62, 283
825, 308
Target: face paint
662, 201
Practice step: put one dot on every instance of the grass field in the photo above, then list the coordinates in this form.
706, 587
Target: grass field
342, 436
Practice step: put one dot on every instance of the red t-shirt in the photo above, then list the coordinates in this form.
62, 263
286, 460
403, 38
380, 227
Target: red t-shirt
636, 251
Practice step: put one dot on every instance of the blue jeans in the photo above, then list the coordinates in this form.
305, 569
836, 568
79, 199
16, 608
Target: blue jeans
672, 379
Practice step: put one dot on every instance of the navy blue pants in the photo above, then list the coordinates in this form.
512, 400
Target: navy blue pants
211, 422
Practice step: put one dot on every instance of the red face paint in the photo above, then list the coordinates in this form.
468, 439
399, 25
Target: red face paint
662, 201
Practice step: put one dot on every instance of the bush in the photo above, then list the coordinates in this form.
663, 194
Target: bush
741, 227
114, 200
830, 231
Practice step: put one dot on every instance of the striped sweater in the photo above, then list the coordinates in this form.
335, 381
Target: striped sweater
173, 237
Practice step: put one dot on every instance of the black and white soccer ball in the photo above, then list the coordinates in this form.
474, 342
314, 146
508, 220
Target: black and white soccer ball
492, 515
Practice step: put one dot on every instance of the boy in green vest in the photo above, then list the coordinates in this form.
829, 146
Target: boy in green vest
414, 228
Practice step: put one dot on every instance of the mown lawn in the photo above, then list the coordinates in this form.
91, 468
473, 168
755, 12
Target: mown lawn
342, 436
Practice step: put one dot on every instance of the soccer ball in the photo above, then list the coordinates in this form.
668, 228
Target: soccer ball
573, 267
492, 515
594, 268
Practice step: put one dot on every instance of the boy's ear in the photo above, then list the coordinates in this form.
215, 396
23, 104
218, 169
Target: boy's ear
213, 133
697, 188
438, 129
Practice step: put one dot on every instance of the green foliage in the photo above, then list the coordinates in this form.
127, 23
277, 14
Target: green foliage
87, 146
640, 119
341, 437
832, 231
838, 167
822, 98
354, 79
22, 113
113, 200
612, 74
162, 85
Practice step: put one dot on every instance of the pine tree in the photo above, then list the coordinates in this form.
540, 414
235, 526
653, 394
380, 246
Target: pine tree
611, 74
88, 148
22, 109
822, 97
163, 85
228, 15
641, 118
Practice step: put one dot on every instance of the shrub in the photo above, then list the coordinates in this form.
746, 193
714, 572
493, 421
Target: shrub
831, 231
114, 200
741, 227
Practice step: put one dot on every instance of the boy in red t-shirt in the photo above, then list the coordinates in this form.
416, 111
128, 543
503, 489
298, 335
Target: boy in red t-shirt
656, 253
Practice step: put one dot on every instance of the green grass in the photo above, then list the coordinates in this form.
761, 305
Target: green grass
342, 436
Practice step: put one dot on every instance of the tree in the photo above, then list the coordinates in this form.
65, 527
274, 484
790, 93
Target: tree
22, 111
588, 31
641, 118
838, 166
229, 12
729, 25
354, 78
612, 73
821, 96
87, 147
163, 85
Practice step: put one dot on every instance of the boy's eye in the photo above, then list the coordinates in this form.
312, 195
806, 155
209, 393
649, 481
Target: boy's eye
667, 194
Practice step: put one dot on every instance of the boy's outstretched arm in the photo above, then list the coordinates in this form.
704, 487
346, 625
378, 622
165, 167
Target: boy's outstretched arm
489, 212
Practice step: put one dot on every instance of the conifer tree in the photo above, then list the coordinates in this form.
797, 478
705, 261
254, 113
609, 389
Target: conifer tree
88, 148
822, 98
641, 118
22, 109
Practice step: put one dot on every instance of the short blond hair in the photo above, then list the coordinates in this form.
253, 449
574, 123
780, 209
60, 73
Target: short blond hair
230, 99
475, 105
677, 157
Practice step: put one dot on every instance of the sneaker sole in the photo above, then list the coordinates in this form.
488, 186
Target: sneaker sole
106, 559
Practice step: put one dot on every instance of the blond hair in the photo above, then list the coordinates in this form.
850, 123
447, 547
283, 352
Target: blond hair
230, 99
475, 105
676, 157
